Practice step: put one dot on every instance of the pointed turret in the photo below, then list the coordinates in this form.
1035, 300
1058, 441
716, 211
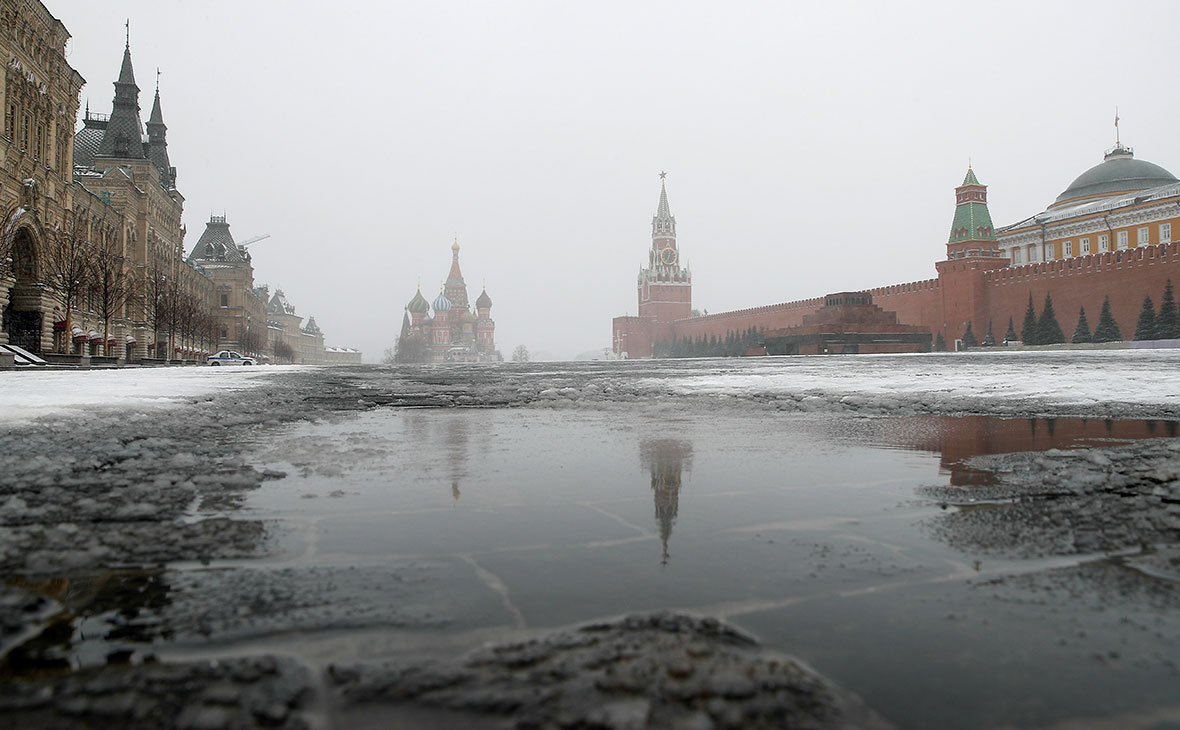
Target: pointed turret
157, 145
456, 288
124, 133
663, 223
972, 233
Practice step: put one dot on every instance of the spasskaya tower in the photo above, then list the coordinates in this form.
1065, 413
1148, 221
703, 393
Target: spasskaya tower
665, 290
665, 287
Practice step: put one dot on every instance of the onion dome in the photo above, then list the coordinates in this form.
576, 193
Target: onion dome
428, 321
484, 301
441, 303
467, 316
418, 304
1119, 172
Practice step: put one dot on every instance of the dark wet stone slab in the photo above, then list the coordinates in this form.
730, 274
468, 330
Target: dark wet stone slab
1067, 502
656, 670
232, 604
246, 693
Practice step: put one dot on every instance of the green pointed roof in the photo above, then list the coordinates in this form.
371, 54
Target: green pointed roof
973, 221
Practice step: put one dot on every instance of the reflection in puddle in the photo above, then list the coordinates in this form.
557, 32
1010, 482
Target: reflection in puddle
958, 439
504, 519
666, 460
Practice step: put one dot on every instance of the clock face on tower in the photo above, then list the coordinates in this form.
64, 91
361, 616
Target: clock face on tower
668, 256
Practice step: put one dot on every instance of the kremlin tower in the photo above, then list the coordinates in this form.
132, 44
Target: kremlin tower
664, 289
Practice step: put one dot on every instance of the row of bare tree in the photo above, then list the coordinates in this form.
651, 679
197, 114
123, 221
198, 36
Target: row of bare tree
92, 273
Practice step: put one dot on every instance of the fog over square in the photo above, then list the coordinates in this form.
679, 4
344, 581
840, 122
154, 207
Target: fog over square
809, 149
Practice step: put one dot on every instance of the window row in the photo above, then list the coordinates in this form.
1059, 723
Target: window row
1122, 243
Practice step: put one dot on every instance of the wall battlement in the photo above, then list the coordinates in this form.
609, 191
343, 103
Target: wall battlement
907, 288
1091, 263
806, 304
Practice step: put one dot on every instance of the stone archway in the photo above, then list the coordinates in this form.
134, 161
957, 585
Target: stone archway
22, 317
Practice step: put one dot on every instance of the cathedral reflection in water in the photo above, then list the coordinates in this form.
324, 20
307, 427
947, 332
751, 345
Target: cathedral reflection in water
666, 461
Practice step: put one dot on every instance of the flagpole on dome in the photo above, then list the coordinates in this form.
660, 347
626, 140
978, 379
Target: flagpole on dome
1117, 142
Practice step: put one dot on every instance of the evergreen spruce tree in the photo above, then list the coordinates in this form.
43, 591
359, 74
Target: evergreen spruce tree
989, 340
1028, 330
939, 343
1107, 329
1048, 330
1081, 333
969, 338
1167, 322
1010, 335
1145, 327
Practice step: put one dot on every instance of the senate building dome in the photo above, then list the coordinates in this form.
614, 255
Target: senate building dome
1119, 172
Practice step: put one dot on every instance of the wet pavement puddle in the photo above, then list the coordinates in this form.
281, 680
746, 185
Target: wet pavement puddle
447, 527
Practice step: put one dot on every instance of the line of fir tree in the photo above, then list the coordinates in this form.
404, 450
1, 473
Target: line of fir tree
1167, 321
1028, 329
1048, 330
1081, 333
1145, 327
989, 340
1107, 329
969, 338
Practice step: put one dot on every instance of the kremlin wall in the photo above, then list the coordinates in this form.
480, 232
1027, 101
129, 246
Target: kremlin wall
1109, 234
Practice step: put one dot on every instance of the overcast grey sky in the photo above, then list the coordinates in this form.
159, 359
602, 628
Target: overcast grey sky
809, 148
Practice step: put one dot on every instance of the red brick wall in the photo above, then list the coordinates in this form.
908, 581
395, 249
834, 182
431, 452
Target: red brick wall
969, 291
1127, 276
773, 316
916, 302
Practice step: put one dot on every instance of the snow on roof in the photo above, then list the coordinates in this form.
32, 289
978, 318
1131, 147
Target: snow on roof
1098, 206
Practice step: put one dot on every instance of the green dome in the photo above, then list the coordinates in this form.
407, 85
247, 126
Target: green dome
418, 304
1119, 172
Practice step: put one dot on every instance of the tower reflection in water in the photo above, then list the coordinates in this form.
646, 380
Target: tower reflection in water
667, 461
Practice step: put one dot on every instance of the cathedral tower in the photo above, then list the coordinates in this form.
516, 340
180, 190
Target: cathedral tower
665, 287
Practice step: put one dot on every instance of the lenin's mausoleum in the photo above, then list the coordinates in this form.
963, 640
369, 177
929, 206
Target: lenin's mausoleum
1108, 234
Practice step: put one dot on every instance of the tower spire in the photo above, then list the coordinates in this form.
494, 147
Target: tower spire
124, 134
972, 233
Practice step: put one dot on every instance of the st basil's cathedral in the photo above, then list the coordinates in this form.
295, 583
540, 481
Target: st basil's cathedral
454, 333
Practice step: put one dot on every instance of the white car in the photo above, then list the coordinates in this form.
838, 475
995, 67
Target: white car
229, 357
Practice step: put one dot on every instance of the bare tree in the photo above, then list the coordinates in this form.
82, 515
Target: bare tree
6, 243
114, 288
252, 341
206, 330
188, 311
156, 301
284, 351
520, 354
69, 265
173, 312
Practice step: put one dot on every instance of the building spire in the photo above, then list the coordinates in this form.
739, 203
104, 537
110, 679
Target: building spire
124, 133
663, 224
456, 287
